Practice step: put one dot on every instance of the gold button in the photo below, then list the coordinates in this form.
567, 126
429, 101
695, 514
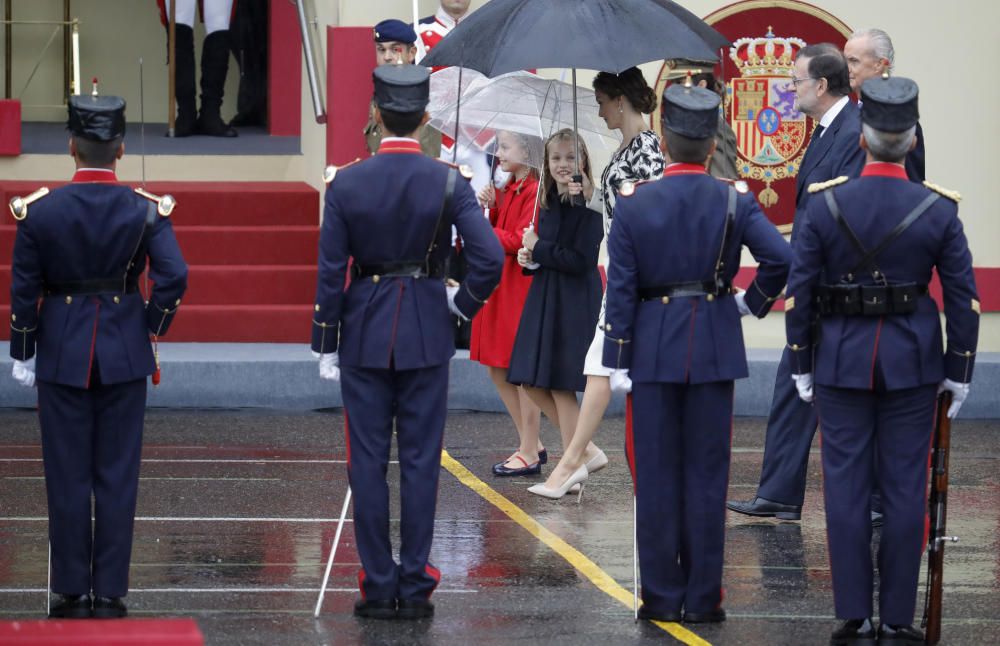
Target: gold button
607, 327
177, 302
795, 346
376, 278
69, 299
710, 297
665, 300
317, 308
13, 317
968, 353
621, 341
322, 324
117, 300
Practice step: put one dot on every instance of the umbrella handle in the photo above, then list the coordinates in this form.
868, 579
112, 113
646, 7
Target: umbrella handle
581, 199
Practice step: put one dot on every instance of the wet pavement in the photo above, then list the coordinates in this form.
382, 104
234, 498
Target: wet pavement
237, 510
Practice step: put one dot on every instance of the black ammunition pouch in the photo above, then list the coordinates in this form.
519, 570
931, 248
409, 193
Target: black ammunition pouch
868, 300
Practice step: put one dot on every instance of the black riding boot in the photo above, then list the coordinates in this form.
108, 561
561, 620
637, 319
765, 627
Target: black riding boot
214, 66
187, 111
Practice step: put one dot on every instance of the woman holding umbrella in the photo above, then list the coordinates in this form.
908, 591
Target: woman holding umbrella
624, 99
511, 210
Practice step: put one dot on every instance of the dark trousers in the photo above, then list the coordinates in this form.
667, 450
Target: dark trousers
91, 445
417, 400
875, 437
790, 429
681, 435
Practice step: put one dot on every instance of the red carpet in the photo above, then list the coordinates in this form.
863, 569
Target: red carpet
101, 632
251, 248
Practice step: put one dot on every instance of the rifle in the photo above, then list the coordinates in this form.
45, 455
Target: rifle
938, 510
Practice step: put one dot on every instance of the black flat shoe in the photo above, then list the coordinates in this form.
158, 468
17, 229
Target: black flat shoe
109, 608
654, 615
375, 608
899, 635
415, 609
766, 508
70, 606
543, 456
499, 469
855, 632
711, 617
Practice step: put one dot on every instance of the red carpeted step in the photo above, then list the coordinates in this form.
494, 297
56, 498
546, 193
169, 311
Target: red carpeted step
101, 632
248, 245
216, 203
249, 284
242, 324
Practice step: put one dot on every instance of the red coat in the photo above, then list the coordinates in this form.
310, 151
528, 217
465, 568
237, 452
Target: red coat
494, 328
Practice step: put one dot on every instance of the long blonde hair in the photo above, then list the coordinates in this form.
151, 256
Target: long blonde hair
566, 134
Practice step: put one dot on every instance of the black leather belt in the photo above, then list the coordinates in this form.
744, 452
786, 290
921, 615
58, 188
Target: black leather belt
397, 270
91, 287
679, 290
868, 300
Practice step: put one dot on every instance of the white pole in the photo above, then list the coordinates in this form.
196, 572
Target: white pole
421, 50
76, 57
333, 551
635, 558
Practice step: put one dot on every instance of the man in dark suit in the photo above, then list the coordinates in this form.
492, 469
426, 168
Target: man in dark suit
388, 336
822, 84
673, 336
81, 250
869, 53
863, 259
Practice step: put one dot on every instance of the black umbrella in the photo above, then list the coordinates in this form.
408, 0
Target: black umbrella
607, 35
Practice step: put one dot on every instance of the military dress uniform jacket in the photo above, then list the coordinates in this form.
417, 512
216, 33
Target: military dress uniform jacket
90, 231
905, 350
670, 231
370, 213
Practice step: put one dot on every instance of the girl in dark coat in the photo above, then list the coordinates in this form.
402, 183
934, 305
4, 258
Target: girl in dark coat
564, 300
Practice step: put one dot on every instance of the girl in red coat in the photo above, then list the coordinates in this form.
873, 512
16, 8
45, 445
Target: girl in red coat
493, 329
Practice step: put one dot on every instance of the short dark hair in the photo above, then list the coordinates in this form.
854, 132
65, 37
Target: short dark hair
685, 149
631, 84
401, 123
826, 61
97, 153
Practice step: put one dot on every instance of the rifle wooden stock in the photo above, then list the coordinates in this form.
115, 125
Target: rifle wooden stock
938, 509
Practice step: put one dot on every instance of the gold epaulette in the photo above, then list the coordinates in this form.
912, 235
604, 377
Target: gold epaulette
822, 186
463, 169
331, 171
954, 196
164, 203
19, 205
628, 187
738, 184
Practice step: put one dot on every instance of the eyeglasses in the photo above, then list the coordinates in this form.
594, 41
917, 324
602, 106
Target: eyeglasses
796, 81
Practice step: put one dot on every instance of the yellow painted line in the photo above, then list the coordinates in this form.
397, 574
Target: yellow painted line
575, 557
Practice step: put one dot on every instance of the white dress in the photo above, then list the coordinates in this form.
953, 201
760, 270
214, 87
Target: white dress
640, 160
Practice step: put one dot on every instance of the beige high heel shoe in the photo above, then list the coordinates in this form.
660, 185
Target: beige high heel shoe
578, 477
597, 462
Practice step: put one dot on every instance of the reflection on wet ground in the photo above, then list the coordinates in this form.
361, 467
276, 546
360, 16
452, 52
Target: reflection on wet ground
237, 510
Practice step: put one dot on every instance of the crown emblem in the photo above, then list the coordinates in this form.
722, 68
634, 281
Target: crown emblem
767, 56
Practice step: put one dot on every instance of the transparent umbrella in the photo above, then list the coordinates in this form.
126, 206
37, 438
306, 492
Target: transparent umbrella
518, 102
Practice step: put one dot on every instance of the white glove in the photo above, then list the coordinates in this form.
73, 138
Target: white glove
804, 384
958, 394
741, 304
24, 372
451, 290
328, 366
620, 382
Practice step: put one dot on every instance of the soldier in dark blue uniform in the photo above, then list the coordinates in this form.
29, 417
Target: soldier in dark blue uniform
388, 337
77, 309
673, 334
863, 259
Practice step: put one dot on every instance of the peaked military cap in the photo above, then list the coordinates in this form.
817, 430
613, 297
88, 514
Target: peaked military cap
402, 88
691, 111
889, 104
394, 31
98, 118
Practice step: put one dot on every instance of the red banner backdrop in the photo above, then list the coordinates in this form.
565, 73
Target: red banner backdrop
771, 134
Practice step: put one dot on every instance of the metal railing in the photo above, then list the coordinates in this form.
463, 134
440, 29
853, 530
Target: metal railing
71, 50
